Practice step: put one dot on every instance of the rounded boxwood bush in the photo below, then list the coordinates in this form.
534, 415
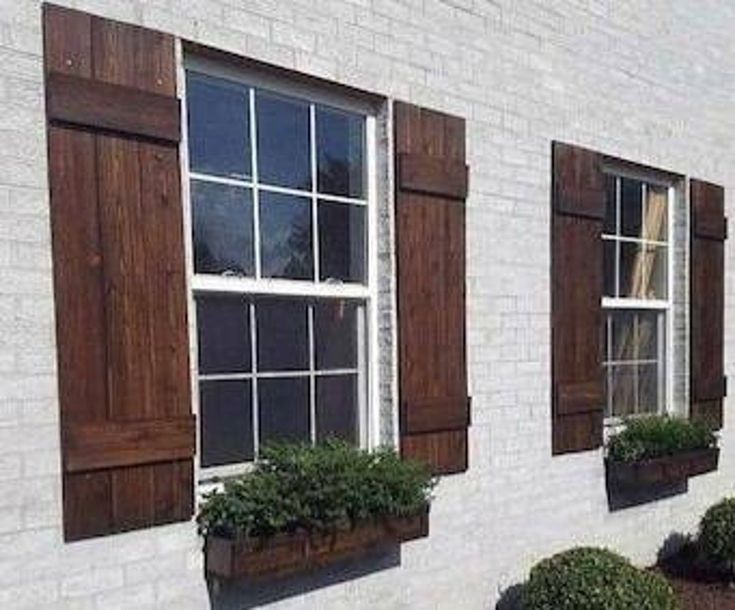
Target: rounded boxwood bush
717, 533
595, 579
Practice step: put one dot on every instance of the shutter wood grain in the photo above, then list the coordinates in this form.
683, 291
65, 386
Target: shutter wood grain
117, 230
578, 207
707, 294
430, 233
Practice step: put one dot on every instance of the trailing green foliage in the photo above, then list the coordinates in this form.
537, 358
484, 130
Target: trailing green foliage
717, 533
595, 579
656, 436
315, 488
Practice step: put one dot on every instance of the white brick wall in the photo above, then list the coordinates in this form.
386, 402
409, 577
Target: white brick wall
651, 82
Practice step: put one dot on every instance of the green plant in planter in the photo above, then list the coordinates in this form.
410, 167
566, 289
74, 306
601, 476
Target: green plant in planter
594, 579
321, 487
657, 436
717, 534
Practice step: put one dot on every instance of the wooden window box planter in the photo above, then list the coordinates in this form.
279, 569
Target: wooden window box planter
286, 554
662, 471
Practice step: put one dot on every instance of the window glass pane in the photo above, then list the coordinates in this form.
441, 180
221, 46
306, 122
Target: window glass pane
284, 409
286, 236
226, 421
630, 207
342, 241
656, 213
643, 271
651, 333
336, 407
610, 224
609, 248
648, 388
284, 151
340, 142
223, 228
335, 334
223, 325
624, 345
282, 337
623, 390
219, 126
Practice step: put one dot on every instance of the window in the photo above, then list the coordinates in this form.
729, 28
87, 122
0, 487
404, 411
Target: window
280, 216
636, 302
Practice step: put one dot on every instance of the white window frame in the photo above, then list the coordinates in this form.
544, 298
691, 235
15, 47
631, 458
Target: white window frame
367, 294
666, 305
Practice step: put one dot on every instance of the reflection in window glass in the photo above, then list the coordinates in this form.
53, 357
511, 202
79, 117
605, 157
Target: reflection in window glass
283, 413
336, 407
222, 223
282, 335
335, 330
286, 236
226, 422
284, 151
340, 143
219, 126
656, 214
223, 325
643, 271
342, 241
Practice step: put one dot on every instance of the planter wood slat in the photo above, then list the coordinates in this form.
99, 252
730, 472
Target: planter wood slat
666, 470
285, 554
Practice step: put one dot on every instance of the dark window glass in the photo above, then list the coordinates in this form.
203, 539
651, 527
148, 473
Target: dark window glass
610, 224
608, 256
623, 388
342, 241
631, 207
223, 228
284, 152
648, 334
223, 324
284, 409
286, 236
226, 420
340, 142
219, 126
648, 388
335, 334
624, 342
336, 407
282, 335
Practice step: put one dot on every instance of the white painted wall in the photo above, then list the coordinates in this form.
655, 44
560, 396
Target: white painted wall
651, 82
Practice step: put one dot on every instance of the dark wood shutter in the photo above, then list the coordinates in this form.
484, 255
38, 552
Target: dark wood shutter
431, 186
577, 214
116, 215
707, 300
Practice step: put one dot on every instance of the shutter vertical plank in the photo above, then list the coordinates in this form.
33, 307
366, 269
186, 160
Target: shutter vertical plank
121, 301
578, 207
707, 294
430, 235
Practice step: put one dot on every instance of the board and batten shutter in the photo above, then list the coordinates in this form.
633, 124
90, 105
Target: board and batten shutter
431, 187
577, 214
127, 431
707, 300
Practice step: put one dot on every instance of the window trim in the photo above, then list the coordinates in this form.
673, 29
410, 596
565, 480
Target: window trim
367, 293
666, 305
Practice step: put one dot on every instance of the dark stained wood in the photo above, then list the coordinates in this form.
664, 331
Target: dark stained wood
106, 444
666, 470
286, 554
707, 300
99, 105
117, 225
432, 176
578, 202
430, 232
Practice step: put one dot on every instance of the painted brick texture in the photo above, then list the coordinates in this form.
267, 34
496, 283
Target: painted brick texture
650, 82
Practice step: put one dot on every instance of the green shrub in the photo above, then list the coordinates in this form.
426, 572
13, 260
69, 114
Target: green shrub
717, 533
315, 488
595, 579
656, 436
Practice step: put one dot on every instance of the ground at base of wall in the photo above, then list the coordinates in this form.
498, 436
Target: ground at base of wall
696, 595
